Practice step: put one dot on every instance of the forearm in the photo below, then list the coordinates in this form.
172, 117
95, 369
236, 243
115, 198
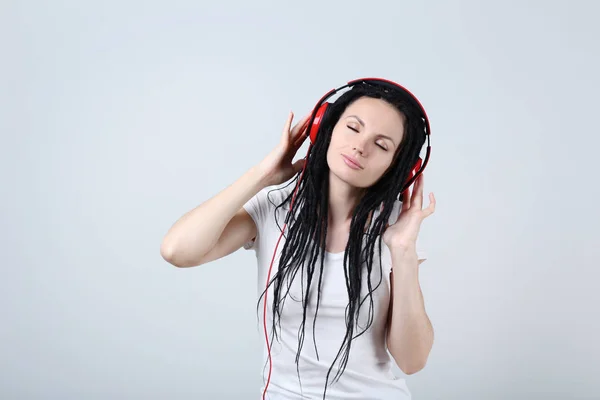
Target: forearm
197, 231
410, 336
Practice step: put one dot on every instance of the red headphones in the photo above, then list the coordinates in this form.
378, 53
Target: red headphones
322, 105
314, 124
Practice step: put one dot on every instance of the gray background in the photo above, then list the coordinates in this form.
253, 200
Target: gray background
118, 117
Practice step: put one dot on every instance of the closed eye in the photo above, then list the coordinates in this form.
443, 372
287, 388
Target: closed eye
356, 130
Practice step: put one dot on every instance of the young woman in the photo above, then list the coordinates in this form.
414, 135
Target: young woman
344, 301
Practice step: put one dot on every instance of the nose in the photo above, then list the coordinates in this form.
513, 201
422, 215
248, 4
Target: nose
359, 146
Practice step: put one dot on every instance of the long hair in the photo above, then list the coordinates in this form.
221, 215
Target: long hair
304, 246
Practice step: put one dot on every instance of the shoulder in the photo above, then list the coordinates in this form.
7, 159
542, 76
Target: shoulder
264, 208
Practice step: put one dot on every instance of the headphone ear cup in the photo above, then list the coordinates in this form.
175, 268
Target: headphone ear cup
411, 175
314, 128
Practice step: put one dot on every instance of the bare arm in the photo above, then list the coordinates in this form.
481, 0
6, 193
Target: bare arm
191, 239
410, 333
220, 225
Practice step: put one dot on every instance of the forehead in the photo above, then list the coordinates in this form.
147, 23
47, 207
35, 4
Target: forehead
378, 115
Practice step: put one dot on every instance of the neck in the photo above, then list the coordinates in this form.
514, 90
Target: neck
343, 199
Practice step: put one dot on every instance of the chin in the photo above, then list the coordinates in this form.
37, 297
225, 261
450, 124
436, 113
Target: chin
347, 175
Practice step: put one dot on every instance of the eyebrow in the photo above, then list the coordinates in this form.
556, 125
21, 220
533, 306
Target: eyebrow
360, 121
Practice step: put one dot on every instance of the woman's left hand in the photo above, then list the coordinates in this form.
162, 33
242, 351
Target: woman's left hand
404, 232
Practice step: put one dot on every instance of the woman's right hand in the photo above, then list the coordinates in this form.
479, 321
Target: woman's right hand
277, 166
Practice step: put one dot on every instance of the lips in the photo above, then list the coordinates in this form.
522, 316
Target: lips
353, 161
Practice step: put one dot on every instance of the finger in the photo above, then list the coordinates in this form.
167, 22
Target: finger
406, 200
303, 133
286, 128
431, 209
301, 138
299, 128
417, 198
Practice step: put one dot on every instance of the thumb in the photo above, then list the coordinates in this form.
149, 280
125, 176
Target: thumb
299, 165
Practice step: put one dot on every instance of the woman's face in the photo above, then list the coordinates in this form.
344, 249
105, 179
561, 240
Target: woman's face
369, 131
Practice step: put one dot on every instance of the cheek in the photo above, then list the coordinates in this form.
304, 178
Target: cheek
336, 144
381, 168
336, 138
